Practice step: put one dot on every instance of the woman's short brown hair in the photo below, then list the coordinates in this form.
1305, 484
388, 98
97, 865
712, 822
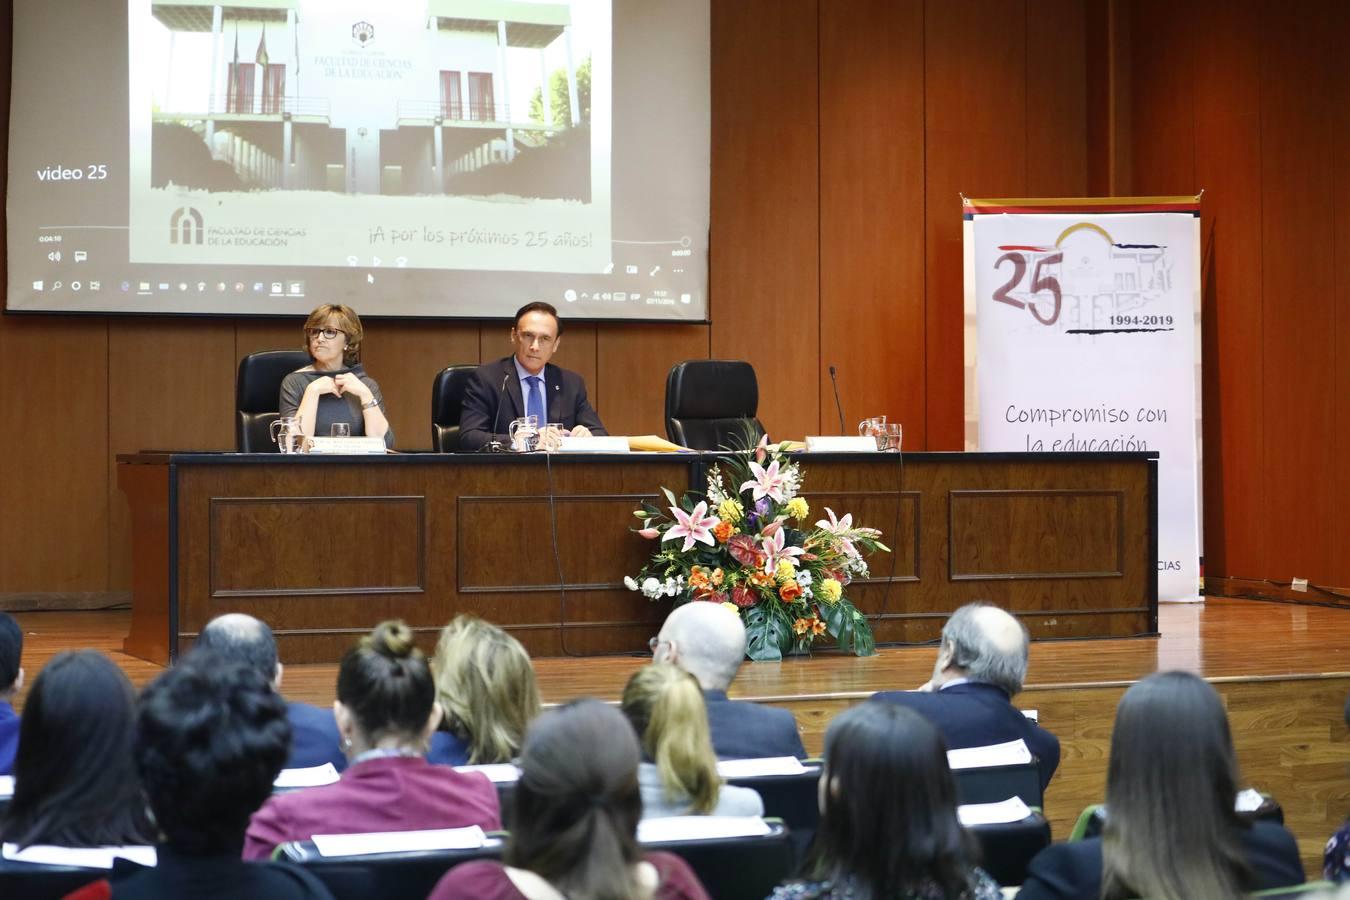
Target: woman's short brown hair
348, 322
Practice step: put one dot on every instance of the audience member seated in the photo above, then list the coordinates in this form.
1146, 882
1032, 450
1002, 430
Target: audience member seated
11, 682
386, 711
888, 824
1171, 830
75, 782
486, 689
575, 831
244, 639
678, 775
980, 667
211, 738
708, 641
1336, 856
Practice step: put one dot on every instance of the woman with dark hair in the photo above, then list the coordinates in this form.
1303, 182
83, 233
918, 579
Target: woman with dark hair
888, 826
334, 388
211, 737
386, 712
678, 774
75, 781
574, 828
1171, 832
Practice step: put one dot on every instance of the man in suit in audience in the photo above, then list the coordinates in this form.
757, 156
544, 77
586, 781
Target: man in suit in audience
11, 680
707, 640
980, 667
526, 383
242, 638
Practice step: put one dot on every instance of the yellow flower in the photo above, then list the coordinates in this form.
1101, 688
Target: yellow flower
798, 508
730, 510
829, 590
733, 607
785, 571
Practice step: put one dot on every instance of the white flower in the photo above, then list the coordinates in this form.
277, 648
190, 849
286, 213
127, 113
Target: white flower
651, 588
630, 583
804, 578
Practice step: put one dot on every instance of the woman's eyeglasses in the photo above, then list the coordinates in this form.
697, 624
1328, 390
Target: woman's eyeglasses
328, 334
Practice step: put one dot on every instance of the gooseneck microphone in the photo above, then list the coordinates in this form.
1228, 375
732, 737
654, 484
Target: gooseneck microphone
839, 407
493, 445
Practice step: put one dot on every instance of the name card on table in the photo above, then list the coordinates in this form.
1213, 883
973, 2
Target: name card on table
312, 776
840, 443
340, 446
593, 444
1013, 753
1003, 813
329, 845
83, 857
700, 828
755, 768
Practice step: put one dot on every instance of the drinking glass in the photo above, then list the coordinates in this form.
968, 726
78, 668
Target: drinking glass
872, 427
340, 429
524, 433
894, 433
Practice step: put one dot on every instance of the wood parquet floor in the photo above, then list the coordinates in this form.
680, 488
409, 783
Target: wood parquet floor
1283, 670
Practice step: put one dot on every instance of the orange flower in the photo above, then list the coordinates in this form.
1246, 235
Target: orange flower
790, 591
698, 579
801, 626
818, 627
717, 576
723, 530
759, 579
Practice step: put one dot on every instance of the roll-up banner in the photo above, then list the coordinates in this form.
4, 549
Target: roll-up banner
1083, 335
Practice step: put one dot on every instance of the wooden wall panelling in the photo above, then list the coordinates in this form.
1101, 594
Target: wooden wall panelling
1162, 118
1107, 67
170, 384
871, 201
1056, 98
254, 334
404, 357
633, 361
1228, 167
975, 143
579, 352
54, 531
1298, 285
764, 269
1340, 107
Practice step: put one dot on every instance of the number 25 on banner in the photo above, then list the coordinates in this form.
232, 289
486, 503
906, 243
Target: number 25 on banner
1039, 283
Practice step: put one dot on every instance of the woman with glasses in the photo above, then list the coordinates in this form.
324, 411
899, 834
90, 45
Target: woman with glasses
334, 389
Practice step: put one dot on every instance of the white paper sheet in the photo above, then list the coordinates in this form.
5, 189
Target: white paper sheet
6, 785
497, 773
752, 768
313, 776
1002, 813
1013, 753
85, 857
399, 841
699, 828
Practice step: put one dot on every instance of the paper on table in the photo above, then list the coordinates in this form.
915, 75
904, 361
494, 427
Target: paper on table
497, 773
84, 857
751, 768
1032, 714
6, 785
1013, 753
1249, 800
650, 443
1002, 813
699, 828
399, 841
313, 776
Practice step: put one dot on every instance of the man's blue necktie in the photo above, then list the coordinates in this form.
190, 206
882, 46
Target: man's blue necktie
534, 405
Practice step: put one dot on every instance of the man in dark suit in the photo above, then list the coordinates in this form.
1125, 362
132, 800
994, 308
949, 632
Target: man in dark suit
244, 639
707, 640
980, 668
526, 383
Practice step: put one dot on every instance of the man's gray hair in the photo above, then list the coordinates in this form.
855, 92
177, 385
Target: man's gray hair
989, 645
710, 642
241, 638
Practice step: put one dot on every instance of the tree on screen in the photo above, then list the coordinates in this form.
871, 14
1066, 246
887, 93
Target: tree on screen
562, 107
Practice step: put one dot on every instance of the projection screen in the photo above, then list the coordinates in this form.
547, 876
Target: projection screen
417, 158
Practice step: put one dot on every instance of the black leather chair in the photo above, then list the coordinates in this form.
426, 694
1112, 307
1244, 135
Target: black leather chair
407, 874
1007, 849
711, 404
792, 798
37, 882
994, 784
255, 396
447, 397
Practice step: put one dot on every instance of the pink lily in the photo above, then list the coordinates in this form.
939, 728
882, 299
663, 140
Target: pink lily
692, 526
762, 448
840, 529
768, 482
650, 534
775, 549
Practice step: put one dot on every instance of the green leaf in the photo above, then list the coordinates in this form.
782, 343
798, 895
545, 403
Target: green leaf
762, 642
670, 496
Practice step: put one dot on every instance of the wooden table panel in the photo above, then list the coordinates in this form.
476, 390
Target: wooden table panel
322, 548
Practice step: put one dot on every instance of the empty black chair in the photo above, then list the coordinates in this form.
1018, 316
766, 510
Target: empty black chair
792, 798
256, 393
711, 404
739, 868
447, 397
994, 784
410, 873
1007, 849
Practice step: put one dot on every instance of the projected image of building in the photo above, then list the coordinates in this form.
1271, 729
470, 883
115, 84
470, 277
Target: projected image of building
397, 98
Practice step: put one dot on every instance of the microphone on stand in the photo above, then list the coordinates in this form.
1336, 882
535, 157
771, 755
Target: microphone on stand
839, 407
494, 445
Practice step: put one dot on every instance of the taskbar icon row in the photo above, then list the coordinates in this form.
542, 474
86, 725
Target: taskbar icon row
150, 288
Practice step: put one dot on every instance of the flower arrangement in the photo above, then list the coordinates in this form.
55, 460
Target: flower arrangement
753, 549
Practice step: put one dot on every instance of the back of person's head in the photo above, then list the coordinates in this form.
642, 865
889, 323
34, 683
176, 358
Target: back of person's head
75, 781
212, 736
888, 807
486, 686
577, 803
665, 706
243, 639
11, 651
988, 644
1171, 828
386, 685
707, 640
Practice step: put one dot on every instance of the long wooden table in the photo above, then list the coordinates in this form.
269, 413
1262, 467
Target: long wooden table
324, 547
